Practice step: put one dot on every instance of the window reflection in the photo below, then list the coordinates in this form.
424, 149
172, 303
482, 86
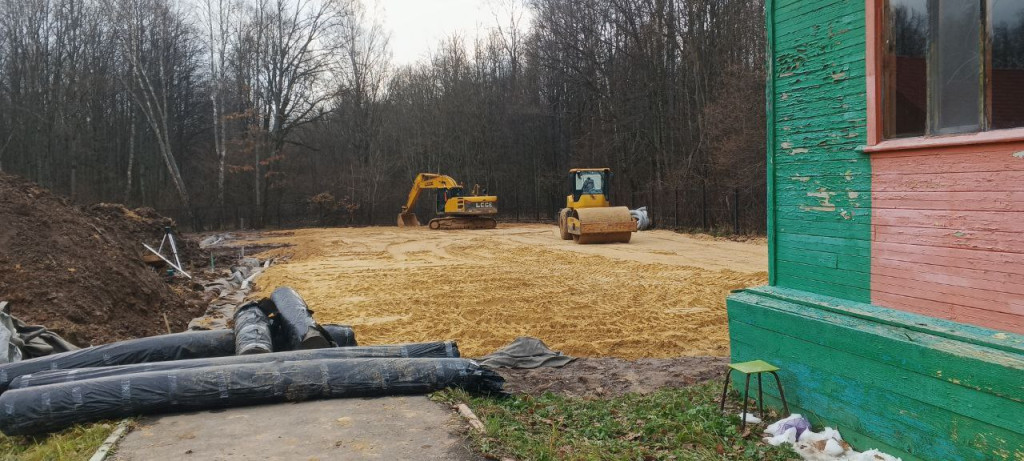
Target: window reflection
1007, 63
956, 67
908, 84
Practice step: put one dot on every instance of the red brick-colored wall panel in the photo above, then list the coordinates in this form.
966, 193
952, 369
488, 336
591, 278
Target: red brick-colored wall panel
948, 233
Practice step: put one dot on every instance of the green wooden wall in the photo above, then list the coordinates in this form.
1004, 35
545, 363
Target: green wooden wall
819, 181
914, 387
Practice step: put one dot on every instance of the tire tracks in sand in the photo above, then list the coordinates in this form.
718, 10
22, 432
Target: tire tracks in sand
663, 295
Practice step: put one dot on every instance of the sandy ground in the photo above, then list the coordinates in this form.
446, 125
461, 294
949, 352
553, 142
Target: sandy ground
662, 295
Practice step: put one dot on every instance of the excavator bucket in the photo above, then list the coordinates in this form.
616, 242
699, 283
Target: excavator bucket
605, 225
408, 220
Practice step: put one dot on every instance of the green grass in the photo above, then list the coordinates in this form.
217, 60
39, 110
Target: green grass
76, 443
671, 424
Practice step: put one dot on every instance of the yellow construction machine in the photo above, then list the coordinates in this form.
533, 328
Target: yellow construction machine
455, 208
588, 216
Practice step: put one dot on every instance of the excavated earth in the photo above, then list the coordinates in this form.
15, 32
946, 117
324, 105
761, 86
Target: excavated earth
79, 270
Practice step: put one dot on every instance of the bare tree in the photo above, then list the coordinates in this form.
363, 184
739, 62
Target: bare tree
147, 31
218, 16
288, 49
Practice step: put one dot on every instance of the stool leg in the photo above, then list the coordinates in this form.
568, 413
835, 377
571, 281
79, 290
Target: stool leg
785, 406
746, 396
760, 396
725, 389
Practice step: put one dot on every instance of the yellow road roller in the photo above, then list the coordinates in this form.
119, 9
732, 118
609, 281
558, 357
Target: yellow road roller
588, 216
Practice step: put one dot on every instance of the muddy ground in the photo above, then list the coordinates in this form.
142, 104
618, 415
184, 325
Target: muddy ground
612, 377
660, 296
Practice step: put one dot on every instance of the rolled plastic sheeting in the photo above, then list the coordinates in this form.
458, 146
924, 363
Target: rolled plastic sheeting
447, 349
252, 331
177, 346
296, 328
36, 410
643, 222
341, 335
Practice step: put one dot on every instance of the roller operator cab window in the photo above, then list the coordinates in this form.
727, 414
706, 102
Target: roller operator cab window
590, 182
953, 66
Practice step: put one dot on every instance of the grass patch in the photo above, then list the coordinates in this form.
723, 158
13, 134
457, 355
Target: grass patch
76, 443
671, 424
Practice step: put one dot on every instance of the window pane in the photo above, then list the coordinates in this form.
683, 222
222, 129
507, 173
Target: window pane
956, 66
1007, 63
907, 88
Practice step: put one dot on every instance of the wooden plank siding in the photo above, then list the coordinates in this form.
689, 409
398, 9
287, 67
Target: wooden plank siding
914, 387
894, 310
820, 202
948, 233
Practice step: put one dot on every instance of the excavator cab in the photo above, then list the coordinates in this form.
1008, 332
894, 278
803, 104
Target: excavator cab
588, 216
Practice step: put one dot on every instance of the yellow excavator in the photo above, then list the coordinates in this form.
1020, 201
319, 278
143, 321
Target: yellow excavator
455, 208
588, 216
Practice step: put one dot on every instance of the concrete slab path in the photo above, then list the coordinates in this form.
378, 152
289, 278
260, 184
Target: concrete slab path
386, 428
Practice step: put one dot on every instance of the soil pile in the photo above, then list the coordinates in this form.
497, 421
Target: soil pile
79, 271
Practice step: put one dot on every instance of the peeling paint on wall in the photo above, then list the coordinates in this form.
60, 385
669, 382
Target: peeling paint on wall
1019, 155
825, 201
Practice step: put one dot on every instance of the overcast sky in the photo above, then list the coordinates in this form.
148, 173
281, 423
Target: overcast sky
416, 26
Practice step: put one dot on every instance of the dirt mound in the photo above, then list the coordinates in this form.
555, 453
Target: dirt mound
78, 270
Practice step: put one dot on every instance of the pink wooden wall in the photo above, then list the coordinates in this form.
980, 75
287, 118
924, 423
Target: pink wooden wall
948, 233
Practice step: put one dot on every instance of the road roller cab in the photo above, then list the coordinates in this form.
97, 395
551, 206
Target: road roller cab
588, 216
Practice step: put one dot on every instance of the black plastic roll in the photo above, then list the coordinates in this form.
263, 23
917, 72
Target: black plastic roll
341, 335
36, 410
177, 346
447, 349
252, 331
295, 327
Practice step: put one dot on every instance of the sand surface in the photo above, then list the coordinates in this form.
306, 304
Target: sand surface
662, 295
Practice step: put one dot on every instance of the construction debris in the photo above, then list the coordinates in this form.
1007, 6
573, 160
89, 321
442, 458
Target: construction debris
197, 370
34, 410
20, 341
252, 331
643, 221
177, 346
446, 349
525, 352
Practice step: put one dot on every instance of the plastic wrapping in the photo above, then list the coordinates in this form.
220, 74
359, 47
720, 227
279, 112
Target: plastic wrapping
177, 346
252, 331
341, 335
447, 349
35, 410
295, 328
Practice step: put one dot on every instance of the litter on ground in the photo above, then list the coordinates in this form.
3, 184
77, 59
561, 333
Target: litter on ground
827, 445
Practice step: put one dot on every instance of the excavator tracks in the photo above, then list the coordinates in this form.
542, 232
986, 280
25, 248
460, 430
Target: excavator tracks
463, 222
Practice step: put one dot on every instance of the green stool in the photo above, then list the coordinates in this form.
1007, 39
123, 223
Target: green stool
749, 368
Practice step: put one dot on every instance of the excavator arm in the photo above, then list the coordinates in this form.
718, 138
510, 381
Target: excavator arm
427, 181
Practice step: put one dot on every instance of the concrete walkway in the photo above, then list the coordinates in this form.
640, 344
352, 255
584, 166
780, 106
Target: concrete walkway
387, 428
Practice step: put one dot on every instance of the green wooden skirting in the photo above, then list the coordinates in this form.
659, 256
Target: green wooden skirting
913, 386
